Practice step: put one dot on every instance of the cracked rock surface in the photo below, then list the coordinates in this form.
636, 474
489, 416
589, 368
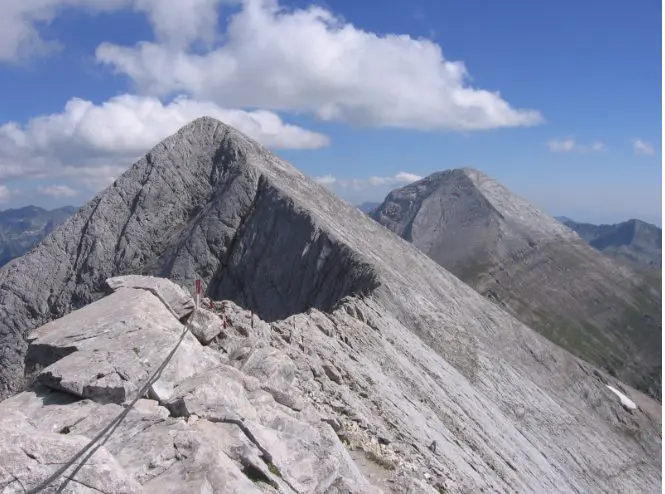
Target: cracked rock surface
338, 402
349, 350
217, 430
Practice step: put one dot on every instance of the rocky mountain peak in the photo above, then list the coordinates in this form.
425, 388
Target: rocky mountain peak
535, 267
423, 380
207, 202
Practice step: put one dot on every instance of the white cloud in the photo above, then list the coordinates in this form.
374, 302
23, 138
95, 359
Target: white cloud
57, 191
309, 60
177, 23
363, 183
596, 147
400, 178
561, 146
641, 147
96, 142
569, 145
326, 180
5, 193
19, 36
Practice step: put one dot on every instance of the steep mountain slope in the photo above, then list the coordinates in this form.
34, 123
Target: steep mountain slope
536, 268
634, 240
21, 229
468, 398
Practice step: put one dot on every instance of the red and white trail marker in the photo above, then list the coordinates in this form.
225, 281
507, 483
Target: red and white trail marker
198, 293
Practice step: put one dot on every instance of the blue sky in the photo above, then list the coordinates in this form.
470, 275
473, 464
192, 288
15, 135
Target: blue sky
575, 127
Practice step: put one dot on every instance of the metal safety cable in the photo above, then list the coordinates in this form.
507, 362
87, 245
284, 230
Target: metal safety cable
116, 421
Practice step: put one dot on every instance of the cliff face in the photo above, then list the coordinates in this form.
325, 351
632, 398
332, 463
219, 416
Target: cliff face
207, 202
535, 268
429, 384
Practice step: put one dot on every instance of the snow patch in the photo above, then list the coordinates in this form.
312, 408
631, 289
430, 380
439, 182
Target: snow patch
625, 401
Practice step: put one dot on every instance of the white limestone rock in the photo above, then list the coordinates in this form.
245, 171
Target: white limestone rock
110, 348
172, 295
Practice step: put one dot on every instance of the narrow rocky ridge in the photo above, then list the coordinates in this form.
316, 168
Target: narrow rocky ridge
305, 404
535, 268
207, 202
390, 345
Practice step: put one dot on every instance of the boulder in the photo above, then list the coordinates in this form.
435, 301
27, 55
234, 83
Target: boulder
108, 350
205, 325
171, 294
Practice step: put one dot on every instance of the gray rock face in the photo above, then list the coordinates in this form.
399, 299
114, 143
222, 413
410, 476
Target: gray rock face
206, 326
634, 241
535, 268
206, 203
218, 431
105, 354
378, 343
28, 457
373, 399
177, 299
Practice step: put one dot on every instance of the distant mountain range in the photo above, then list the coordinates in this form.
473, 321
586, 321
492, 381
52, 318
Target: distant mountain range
368, 207
536, 268
23, 228
634, 240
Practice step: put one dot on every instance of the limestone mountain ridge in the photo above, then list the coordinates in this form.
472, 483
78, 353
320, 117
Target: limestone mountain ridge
424, 384
536, 268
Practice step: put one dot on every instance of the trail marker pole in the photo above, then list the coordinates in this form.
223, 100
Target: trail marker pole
198, 293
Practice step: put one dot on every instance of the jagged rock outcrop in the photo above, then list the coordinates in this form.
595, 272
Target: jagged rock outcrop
334, 402
216, 430
535, 268
633, 241
327, 313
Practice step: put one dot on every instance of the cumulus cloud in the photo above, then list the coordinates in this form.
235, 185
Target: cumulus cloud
300, 60
177, 23
5, 194
57, 191
643, 148
19, 36
310, 60
400, 178
326, 180
96, 142
569, 145
363, 183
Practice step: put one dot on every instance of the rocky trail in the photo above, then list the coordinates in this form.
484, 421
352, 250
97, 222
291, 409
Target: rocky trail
250, 406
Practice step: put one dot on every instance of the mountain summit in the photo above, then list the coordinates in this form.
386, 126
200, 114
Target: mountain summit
535, 268
207, 202
442, 389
